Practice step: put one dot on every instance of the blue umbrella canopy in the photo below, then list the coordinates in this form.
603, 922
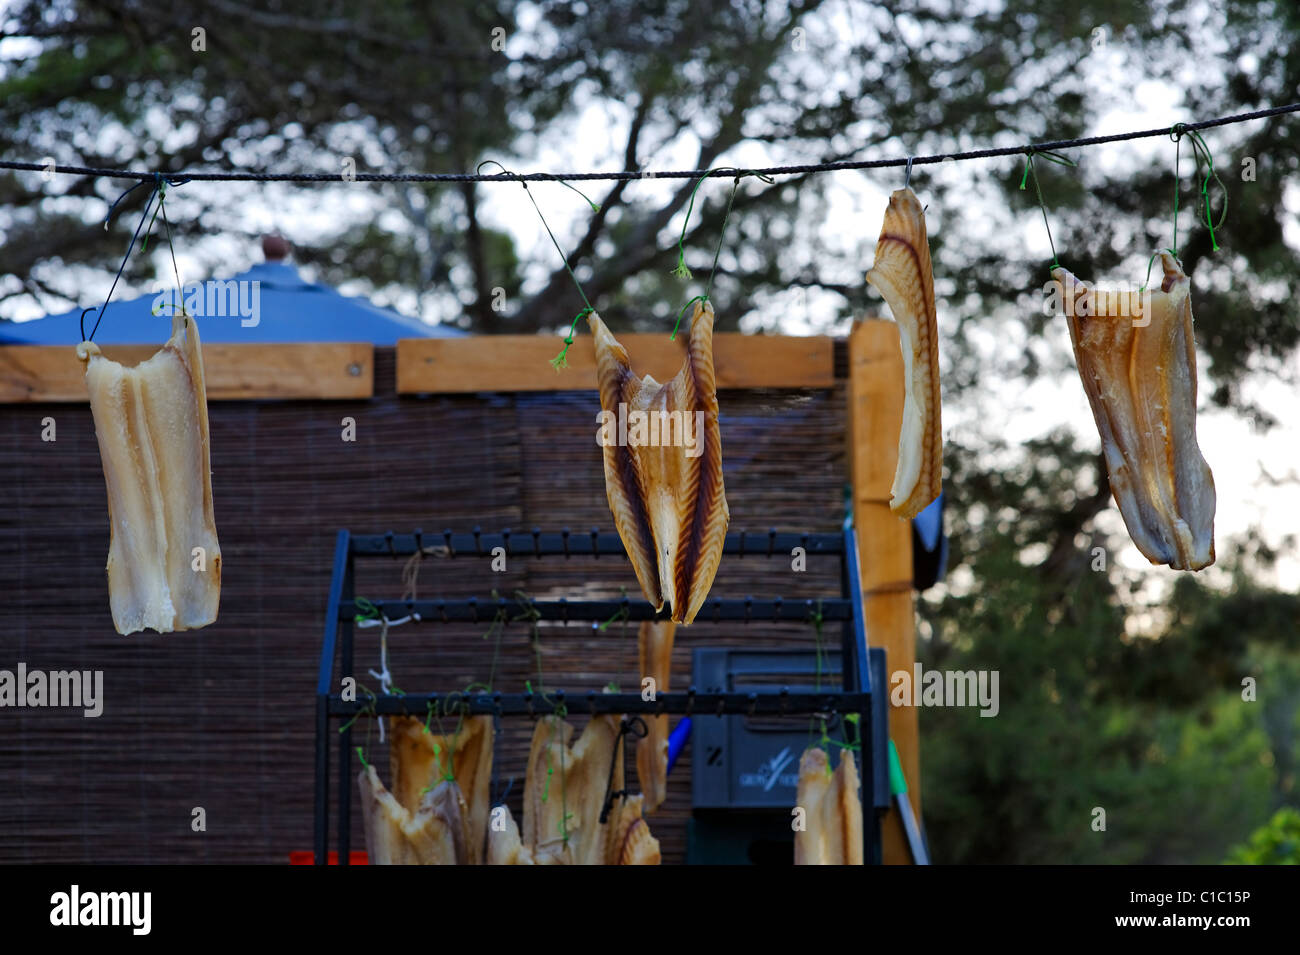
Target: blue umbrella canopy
270, 302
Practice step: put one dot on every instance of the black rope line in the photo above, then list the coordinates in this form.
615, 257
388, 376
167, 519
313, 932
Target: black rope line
633, 175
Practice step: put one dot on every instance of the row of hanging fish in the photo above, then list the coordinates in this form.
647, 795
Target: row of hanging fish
668, 499
1136, 357
439, 812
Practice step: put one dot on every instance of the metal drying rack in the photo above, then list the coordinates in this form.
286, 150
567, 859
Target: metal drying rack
857, 664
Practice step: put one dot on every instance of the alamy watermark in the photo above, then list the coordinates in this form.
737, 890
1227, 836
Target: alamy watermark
215, 298
651, 429
55, 688
946, 688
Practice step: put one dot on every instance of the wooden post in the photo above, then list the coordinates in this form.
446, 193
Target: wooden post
884, 541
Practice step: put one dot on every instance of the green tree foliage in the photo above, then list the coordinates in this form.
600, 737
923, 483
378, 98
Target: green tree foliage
1277, 843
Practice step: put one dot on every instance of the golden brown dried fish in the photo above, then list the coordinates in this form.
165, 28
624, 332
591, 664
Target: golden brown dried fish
152, 426
432, 835
629, 841
420, 760
832, 833
505, 847
1137, 360
655, 650
564, 793
903, 275
663, 470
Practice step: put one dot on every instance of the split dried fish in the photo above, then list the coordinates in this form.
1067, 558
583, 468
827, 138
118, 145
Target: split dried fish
903, 275
152, 426
433, 834
1137, 360
505, 846
655, 650
669, 504
420, 760
629, 841
832, 833
564, 793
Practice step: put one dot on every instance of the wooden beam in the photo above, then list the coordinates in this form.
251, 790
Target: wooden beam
884, 541
39, 373
522, 362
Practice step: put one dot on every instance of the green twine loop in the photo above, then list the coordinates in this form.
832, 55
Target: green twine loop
362, 756
368, 610
1050, 156
698, 298
1201, 152
623, 614
560, 361
681, 271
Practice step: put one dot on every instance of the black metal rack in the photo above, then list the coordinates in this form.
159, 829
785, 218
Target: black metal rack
855, 697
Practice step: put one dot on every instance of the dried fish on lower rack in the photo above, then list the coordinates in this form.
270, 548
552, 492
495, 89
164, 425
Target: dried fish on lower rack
420, 759
1137, 359
666, 493
564, 793
655, 650
164, 562
431, 834
902, 273
832, 832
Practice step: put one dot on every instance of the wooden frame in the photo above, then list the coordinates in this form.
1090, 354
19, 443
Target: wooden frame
523, 362
316, 370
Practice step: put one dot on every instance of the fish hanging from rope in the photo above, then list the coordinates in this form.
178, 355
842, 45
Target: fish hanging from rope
664, 482
164, 562
903, 275
1137, 359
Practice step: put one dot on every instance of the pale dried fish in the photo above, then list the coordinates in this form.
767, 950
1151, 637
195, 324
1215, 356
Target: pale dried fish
903, 275
420, 760
832, 833
434, 834
1137, 361
152, 426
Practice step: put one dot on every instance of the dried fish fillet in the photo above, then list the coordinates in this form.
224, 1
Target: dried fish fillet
505, 847
629, 841
1137, 360
420, 760
903, 275
564, 793
152, 426
664, 482
832, 833
655, 650
432, 835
